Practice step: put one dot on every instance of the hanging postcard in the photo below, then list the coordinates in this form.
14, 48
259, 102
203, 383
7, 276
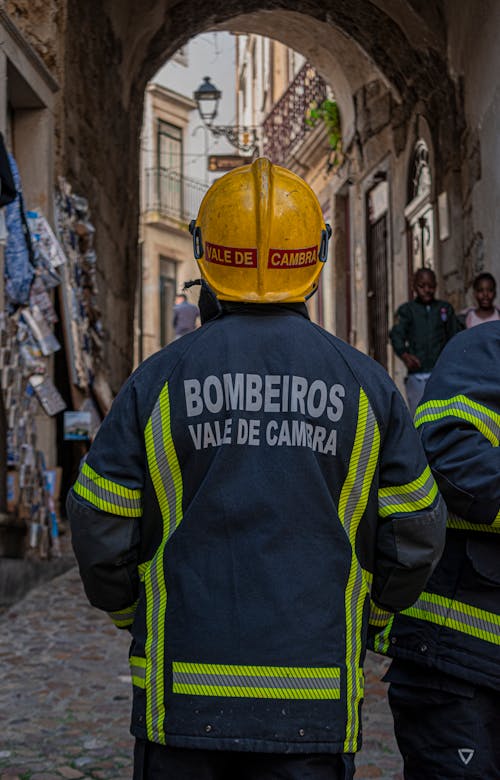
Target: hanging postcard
48, 394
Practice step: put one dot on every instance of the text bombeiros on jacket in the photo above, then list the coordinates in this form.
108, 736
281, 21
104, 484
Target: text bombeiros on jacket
285, 394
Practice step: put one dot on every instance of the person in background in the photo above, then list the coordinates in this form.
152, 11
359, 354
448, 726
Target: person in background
421, 329
445, 677
485, 290
256, 485
185, 315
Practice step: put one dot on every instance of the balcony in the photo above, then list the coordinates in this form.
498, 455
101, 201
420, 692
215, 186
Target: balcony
285, 125
168, 195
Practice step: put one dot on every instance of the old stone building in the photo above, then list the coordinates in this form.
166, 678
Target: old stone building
416, 84
167, 194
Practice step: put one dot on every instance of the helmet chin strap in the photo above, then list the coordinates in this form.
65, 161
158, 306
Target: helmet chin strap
313, 291
208, 303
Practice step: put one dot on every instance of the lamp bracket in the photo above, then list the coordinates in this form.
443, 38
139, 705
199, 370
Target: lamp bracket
242, 138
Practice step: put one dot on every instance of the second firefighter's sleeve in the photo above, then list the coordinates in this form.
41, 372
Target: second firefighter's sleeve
411, 515
104, 508
459, 422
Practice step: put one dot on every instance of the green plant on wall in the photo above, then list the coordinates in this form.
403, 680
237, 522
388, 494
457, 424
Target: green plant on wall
328, 113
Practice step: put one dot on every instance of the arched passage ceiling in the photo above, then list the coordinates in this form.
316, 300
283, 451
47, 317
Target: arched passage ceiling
406, 45
338, 58
114, 47
401, 42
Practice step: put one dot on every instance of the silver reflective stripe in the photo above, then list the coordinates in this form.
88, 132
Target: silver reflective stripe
167, 480
352, 505
256, 681
461, 406
458, 616
107, 498
138, 674
409, 498
452, 613
124, 617
456, 522
364, 476
168, 502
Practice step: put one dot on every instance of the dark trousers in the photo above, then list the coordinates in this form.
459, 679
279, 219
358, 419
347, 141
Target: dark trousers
156, 762
446, 728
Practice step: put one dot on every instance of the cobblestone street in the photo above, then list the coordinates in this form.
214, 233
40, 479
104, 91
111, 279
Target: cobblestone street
65, 695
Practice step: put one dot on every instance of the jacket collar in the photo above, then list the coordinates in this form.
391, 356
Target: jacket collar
263, 309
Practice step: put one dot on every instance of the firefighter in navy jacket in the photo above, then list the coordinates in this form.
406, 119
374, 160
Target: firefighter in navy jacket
255, 486
447, 644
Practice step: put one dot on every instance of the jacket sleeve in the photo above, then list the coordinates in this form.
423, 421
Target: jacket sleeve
412, 517
400, 331
459, 421
105, 507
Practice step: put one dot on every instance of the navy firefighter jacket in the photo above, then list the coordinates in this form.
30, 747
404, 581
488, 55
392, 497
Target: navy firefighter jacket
454, 626
256, 485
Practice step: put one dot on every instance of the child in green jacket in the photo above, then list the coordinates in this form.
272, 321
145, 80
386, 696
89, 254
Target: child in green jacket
421, 329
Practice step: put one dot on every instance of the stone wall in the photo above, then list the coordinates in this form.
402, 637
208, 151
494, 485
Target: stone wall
43, 24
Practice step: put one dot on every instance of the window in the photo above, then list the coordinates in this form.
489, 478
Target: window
169, 146
169, 168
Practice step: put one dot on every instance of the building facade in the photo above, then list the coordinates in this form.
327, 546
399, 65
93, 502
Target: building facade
168, 200
387, 213
176, 147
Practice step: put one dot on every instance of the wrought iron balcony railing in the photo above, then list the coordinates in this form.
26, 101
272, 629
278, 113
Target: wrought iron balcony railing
169, 194
285, 125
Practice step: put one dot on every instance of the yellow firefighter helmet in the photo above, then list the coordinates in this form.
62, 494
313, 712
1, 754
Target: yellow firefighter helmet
260, 235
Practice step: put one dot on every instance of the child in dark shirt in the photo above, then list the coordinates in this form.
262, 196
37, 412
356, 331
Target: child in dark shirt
421, 329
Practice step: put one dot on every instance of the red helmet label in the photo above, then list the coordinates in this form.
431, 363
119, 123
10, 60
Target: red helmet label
230, 255
292, 258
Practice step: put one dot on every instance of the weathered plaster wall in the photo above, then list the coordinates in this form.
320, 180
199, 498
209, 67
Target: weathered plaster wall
474, 51
43, 23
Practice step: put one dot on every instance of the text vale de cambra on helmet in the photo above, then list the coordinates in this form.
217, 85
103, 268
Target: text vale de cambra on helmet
260, 235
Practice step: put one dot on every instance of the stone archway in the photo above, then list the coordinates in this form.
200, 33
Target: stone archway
107, 51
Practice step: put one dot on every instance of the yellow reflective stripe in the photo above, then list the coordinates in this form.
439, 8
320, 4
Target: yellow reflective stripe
138, 670
379, 617
484, 419
306, 672
106, 495
409, 487
263, 682
352, 504
109, 486
383, 638
419, 494
456, 522
167, 481
254, 693
124, 617
142, 569
457, 615
113, 508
